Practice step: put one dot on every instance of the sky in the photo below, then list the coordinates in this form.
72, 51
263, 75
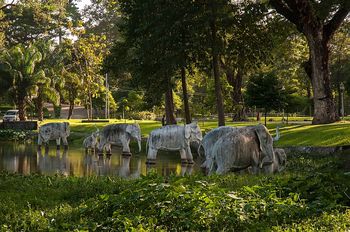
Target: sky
82, 3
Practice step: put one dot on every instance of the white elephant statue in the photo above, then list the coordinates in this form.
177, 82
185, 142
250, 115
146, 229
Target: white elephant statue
119, 133
91, 142
246, 147
279, 162
54, 131
173, 138
207, 144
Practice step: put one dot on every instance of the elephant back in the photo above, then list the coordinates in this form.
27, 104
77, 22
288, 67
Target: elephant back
171, 137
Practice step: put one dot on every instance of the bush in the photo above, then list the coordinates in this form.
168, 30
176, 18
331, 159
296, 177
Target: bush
16, 135
142, 115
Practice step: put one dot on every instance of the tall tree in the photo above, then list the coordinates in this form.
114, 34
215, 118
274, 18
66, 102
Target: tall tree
265, 91
318, 21
35, 19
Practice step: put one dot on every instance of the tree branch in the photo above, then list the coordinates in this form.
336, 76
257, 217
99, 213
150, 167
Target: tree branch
333, 24
8, 5
287, 12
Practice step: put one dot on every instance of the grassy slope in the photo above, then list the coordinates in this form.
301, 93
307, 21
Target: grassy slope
295, 134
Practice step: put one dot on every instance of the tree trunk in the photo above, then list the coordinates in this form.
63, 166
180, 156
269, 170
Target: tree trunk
21, 109
339, 100
324, 107
71, 108
169, 107
265, 114
215, 62
57, 110
90, 102
39, 105
185, 95
236, 94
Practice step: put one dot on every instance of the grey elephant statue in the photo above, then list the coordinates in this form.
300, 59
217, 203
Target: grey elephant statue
246, 147
91, 142
207, 144
278, 164
119, 133
173, 138
54, 131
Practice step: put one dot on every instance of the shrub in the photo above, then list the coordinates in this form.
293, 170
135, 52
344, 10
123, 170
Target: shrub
16, 135
142, 115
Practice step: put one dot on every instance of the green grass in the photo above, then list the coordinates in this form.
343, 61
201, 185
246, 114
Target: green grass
295, 133
311, 195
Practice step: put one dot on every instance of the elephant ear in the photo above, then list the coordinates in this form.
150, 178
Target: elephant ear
260, 137
187, 131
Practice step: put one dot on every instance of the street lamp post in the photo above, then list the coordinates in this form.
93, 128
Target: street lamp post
342, 88
107, 98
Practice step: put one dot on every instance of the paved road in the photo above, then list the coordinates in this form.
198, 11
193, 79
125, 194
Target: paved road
78, 112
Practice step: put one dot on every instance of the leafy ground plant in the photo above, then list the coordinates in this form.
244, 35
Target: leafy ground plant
312, 195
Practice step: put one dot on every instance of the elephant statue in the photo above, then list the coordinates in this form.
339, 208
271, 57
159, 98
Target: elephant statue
278, 164
54, 131
173, 138
207, 144
119, 133
246, 147
91, 142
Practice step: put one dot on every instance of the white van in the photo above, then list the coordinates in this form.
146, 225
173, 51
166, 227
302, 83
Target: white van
11, 116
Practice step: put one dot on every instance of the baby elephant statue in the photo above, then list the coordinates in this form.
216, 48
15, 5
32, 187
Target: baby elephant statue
91, 142
246, 147
119, 133
278, 164
54, 131
173, 138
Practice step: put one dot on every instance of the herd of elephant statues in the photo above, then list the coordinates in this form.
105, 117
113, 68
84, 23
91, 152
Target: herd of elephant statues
226, 149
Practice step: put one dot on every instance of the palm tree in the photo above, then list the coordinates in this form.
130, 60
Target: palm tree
51, 64
20, 63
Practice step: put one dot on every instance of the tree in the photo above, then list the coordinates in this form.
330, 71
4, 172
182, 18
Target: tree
318, 21
31, 20
52, 64
20, 65
265, 91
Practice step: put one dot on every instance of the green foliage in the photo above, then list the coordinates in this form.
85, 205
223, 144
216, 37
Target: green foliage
142, 115
265, 91
20, 67
15, 135
311, 194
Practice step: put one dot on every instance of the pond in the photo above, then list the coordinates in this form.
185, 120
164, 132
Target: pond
27, 159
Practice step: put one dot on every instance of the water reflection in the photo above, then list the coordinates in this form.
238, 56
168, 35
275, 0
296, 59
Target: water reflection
26, 159
55, 163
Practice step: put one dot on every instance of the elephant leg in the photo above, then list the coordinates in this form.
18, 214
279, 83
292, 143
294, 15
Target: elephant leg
65, 142
151, 156
40, 142
58, 143
126, 148
183, 156
255, 169
101, 146
108, 148
189, 155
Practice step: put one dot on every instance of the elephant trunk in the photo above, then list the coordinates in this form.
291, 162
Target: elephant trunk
139, 143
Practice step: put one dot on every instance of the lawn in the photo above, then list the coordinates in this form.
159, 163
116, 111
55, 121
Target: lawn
296, 133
